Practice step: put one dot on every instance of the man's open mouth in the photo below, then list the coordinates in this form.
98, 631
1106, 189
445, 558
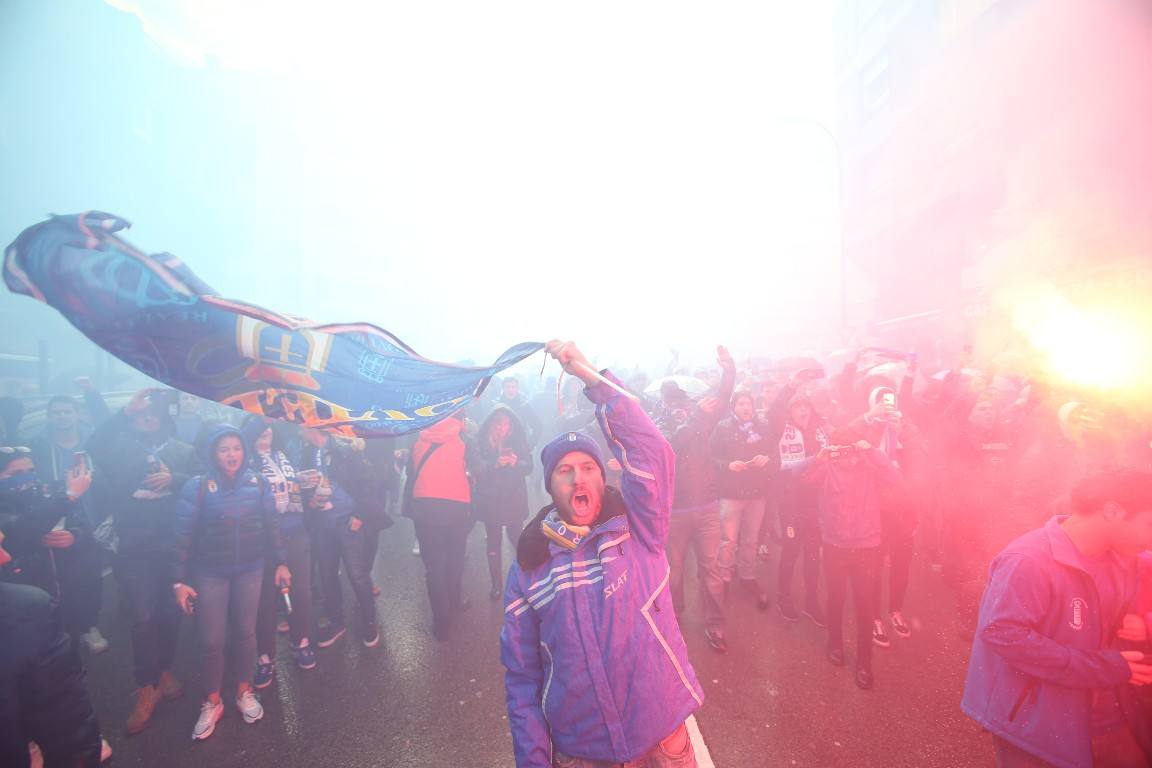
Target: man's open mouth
580, 501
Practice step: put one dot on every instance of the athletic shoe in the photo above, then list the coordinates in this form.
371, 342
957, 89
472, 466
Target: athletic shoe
899, 626
372, 642
835, 656
814, 613
105, 750
265, 670
717, 641
864, 679
304, 655
282, 627
210, 714
94, 640
879, 636
763, 601
787, 609
250, 707
416, 549
330, 635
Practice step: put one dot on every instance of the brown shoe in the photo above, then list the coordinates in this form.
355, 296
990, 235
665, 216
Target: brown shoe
146, 698
170, 687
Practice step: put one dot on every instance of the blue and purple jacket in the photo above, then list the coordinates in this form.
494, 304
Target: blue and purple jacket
595, 664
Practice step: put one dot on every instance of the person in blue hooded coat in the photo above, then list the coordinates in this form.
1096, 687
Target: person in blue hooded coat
226, 524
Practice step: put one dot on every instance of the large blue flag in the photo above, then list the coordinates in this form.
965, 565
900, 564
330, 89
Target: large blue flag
153, 313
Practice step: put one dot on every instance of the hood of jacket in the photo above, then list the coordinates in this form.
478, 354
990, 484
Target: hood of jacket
206, 446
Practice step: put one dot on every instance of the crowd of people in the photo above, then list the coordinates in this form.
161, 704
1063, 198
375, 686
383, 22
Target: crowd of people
843, 469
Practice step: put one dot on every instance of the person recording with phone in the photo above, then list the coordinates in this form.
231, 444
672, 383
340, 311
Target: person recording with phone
58, 451
338, 538
141, 465
39, 516
851, 476
226, 525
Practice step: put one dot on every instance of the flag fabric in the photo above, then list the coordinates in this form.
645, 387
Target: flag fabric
152, 312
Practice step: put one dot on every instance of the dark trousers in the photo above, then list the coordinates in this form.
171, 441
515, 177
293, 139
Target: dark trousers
146, 580
860, 569
799, 535
495, 548
442, 545
900, 548
80, 574
299, 550
341, 545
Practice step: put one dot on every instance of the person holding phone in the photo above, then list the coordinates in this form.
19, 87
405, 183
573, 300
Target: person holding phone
140, 466
226, 525
500, 464
58, 451
338, 538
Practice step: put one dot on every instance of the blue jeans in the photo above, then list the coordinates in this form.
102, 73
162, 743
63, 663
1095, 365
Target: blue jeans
740, 521
699, 530
673, 752
222, 601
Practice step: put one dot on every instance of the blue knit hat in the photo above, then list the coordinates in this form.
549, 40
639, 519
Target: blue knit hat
561, 446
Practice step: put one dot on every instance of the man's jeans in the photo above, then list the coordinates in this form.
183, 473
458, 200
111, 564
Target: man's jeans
146, 580
698, 530
740, 521
341, 544
667, 754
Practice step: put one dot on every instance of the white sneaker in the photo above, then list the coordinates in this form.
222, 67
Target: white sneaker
94, 640
250, 707
210, 714
416, 549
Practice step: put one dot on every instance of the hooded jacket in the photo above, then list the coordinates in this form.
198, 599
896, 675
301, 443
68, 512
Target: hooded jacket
851, 498
501, 495
1042, 648
225, 526
595, 663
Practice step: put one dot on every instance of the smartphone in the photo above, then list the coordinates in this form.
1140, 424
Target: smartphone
80, 460
287, 600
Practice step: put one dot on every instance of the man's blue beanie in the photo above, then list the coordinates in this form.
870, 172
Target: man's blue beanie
561, 446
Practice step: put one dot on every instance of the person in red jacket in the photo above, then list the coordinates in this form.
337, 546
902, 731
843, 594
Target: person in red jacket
441, 503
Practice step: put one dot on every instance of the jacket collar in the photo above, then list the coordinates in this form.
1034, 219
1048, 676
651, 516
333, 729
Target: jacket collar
1063, 550
536, 549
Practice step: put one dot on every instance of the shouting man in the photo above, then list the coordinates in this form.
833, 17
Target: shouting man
596, 669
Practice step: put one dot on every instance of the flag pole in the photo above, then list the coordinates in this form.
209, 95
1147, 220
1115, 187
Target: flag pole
588, 369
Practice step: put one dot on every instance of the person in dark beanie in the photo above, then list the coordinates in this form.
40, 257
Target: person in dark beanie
596, 669
500, 464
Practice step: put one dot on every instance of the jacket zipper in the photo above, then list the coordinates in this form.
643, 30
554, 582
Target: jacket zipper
1024, 694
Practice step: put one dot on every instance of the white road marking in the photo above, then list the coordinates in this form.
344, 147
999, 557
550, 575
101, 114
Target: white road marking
703, 759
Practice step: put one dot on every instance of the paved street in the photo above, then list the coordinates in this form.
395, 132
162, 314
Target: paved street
771, 701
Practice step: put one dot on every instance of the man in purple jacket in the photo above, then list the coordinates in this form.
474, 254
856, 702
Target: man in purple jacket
1047, 675
596, 669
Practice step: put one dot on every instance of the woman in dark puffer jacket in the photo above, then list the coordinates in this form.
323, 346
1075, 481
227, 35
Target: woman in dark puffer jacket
225, 523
